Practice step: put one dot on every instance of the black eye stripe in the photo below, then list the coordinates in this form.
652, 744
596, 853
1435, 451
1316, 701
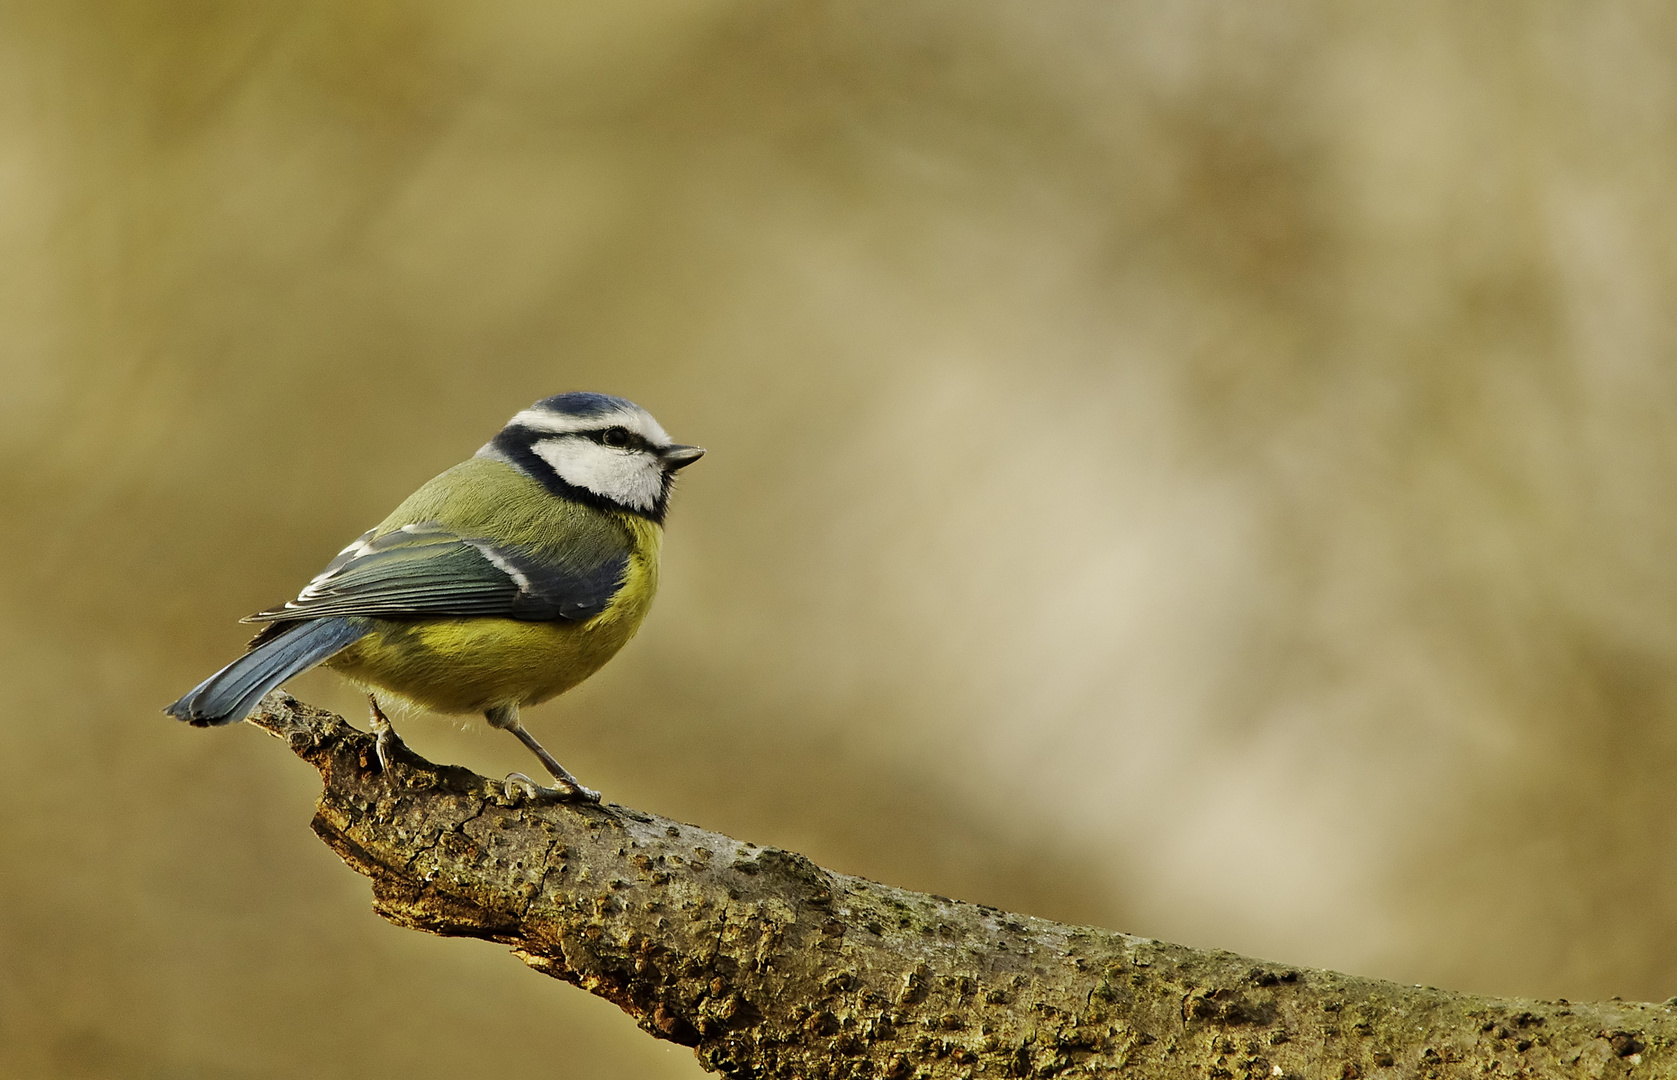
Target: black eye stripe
616, 437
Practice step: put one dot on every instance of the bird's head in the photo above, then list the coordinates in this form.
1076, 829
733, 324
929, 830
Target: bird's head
597, 448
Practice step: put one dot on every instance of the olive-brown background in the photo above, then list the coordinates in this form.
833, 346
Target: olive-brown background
1205, 469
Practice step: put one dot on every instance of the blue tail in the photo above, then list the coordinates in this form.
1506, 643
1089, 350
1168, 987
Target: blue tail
231, 693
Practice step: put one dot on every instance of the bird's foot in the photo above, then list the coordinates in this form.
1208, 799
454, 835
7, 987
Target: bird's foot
568, 789
517, 784
384, 736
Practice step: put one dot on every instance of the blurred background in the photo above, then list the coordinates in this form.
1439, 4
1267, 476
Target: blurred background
1200, 469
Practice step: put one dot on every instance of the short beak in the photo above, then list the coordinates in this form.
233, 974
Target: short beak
679, 457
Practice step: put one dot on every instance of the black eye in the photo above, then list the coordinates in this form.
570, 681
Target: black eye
616, 436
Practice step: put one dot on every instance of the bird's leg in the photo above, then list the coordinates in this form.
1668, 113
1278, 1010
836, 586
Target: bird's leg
569, 788
384, 736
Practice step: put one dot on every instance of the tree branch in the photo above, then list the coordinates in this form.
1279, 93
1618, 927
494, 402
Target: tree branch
769, 966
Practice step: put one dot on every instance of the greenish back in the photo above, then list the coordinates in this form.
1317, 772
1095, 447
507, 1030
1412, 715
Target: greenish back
484, 497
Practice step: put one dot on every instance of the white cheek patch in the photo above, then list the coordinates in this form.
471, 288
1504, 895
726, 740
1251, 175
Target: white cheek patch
633, 479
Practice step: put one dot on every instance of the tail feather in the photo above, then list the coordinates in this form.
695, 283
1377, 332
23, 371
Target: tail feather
231, 693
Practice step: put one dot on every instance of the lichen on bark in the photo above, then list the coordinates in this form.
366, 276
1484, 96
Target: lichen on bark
768, 965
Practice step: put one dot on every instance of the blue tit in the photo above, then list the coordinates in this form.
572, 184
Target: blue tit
501, 583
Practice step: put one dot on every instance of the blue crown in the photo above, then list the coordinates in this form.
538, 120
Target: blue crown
583, 404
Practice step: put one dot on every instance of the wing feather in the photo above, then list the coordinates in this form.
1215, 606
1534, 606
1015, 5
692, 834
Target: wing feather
425, 570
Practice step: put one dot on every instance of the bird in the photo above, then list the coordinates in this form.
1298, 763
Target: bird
499, 584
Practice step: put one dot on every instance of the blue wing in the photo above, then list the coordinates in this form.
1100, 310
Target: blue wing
426, 570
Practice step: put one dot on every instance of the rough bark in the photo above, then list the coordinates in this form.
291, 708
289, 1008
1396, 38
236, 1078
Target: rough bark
770, 966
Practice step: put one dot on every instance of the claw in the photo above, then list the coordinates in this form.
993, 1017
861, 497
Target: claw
517, 784
384, 736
